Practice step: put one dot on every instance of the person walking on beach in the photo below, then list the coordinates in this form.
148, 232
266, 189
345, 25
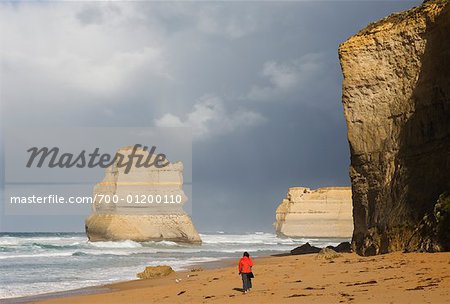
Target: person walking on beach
245, 270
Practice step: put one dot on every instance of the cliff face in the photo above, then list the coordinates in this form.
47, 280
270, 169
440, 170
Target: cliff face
148, 205
325, 212
396, 96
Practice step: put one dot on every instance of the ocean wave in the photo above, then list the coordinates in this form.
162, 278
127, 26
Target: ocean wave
29, 241
6, 249
34, 255
104, 253
8, 240
55, 246
256, 238
79, 253
163, 244
117, 244
168, 243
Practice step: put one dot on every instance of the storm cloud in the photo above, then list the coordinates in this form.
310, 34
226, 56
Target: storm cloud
259, 83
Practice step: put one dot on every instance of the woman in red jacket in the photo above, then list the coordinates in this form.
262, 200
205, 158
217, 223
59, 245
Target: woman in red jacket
245, 270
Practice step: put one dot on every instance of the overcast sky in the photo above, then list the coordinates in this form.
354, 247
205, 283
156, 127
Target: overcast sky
259, 83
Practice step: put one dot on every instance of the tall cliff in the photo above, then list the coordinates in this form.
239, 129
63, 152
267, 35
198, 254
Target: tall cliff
396, 97
324, 212
144, 204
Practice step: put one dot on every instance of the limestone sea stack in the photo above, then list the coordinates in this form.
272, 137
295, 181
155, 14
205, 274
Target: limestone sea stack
396, 97
325, 212
148, 205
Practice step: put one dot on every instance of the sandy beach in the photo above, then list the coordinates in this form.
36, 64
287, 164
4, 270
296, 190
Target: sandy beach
390, 278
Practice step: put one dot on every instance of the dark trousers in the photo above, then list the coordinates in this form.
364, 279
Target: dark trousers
246, 281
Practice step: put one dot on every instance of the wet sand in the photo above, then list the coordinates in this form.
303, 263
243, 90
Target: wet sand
390, 278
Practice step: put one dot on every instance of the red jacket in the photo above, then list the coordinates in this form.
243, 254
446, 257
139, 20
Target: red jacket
245, 265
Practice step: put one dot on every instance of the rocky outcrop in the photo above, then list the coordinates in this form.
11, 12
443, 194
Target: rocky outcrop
327, 254
305, 249
396, 96
151, 272
144, 204
308, 249
325, 212
342, 247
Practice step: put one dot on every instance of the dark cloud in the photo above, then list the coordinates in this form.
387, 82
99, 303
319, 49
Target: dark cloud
90, 15
132, 63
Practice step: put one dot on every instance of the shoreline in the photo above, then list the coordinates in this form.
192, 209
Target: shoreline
58, 294
82, 274
393, 277
103, 288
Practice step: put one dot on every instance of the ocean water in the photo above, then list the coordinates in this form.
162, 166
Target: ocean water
36, 263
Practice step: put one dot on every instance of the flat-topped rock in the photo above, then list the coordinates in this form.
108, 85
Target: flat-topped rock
325, 212
145, 204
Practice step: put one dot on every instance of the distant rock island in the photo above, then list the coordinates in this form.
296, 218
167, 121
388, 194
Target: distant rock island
324, 212
148, 205
396, 96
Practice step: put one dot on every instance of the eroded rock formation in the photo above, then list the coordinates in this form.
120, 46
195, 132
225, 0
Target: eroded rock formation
396, 96
325, 212
148, 205
151, 272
